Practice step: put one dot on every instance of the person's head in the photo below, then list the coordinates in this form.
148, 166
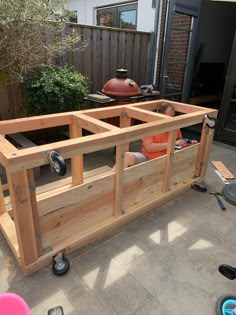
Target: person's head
166, 109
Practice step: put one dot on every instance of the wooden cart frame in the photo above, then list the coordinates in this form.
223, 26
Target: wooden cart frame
37, 224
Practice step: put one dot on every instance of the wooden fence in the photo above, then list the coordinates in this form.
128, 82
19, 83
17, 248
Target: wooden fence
107, 50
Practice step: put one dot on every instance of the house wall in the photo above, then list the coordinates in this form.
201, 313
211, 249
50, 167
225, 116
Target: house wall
87, 14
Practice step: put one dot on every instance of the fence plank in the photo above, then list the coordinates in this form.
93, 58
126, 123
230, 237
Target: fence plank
107, 50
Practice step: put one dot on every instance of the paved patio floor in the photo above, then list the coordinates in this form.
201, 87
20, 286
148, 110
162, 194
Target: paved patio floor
164, 262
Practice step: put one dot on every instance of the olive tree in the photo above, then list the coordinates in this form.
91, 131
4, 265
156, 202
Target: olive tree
32, 34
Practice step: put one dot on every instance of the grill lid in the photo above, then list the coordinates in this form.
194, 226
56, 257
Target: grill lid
121, 85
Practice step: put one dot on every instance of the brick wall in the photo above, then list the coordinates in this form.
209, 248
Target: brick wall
177, 50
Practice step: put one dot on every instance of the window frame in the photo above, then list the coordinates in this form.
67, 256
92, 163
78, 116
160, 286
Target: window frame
116, 11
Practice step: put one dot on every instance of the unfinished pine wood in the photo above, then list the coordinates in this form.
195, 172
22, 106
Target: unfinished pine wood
32, 191
125, 121
208, 143
223, 169
77, 164
169, 160
70, 213
119, 180
32, 157
143, 115
23, 216
2, 200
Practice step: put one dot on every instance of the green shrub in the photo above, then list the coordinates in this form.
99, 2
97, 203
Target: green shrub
54, 90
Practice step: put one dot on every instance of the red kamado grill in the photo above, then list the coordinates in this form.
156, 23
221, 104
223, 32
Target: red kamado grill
122, 90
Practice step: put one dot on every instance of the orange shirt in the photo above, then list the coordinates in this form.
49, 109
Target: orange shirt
161, 138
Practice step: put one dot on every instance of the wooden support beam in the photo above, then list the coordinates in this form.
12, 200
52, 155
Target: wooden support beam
34, 123
206, 154
2, 201
32, 191
23, 217
77, 162
119, 180
125, 121
169, 161
144, 115
32, 157
92, 124
6, 147
200, 156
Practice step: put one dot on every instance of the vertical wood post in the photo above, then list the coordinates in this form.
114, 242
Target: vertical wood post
32, 191
125, 121
119, 180
2, 202
23, 217
204, 151
169, 161
77, 167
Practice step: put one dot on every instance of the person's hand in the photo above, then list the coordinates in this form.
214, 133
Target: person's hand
181, 142
192, 142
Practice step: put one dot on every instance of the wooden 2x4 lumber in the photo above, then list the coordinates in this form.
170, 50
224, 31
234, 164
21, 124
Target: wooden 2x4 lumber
6, 147
32, 157
23, 217
125, 121
30, 174
77, 162
143, 115
2, 200
180, 107
200, 155
119, 179
208, 143
169, 160
81, 238
34, 123
92, 124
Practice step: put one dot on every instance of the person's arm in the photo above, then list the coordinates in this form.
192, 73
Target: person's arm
150, 146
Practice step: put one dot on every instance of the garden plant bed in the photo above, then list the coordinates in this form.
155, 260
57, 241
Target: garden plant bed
69, 213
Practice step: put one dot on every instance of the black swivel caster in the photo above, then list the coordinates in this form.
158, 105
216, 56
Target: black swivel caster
58, 310
211, 122
57, 163
61, 264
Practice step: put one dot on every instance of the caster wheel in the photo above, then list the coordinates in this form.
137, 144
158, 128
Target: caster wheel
211, 122
57, 163
61, 264
226, 305
58, 310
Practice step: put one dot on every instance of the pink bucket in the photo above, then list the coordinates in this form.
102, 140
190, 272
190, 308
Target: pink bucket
12, 304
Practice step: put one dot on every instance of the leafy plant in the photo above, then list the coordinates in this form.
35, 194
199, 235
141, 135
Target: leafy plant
32, 34
53, 90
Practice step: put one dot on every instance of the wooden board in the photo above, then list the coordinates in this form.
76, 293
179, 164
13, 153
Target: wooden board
223, 169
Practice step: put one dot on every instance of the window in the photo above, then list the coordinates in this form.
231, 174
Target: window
122, 16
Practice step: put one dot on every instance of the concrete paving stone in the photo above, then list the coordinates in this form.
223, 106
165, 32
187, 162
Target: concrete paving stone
10, 271
178, 278
152, 307
159, 227
75, 299
116, 290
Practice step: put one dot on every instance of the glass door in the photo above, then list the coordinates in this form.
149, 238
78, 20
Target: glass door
227, 115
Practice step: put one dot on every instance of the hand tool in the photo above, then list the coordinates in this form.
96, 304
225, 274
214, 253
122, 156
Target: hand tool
218, 199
